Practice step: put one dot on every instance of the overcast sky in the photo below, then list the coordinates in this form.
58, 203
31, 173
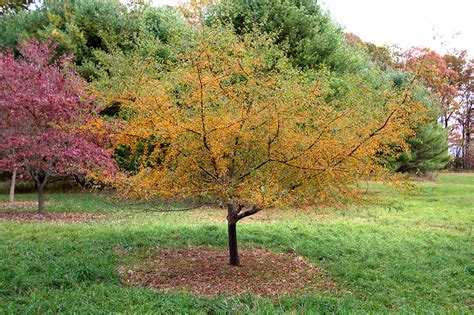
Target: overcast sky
438, 24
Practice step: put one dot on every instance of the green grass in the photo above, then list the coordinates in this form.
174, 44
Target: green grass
408, 253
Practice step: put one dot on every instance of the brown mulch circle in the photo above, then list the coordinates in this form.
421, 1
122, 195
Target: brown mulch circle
49, 217
207, 272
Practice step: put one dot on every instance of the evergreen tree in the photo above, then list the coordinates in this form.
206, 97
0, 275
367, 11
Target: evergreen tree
428, 151
429, 148
90, 28
307, 34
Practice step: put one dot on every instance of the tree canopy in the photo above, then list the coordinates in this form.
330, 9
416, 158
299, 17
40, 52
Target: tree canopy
308, 36
86, 28
45, 112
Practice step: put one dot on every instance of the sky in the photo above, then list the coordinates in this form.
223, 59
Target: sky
438, 24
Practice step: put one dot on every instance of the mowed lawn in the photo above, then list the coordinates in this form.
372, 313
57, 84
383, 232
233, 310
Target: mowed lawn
408, 253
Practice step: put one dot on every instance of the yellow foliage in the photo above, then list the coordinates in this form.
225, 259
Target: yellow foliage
231, 121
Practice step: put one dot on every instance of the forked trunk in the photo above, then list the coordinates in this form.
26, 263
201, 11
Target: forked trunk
234, 214
11, 196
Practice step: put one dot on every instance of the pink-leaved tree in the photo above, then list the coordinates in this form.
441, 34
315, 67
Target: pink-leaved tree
44, 114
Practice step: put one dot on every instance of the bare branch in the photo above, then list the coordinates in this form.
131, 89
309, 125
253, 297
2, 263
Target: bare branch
246, 213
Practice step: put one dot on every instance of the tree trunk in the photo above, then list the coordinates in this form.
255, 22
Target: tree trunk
234, 214
233, 250
41, 178
40, 198
467, 141
446, 121
11, 196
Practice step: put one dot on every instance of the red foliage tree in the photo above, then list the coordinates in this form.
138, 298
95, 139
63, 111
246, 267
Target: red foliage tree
432, 70
44, 109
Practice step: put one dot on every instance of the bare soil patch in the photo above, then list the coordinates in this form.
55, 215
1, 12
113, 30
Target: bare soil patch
207, 272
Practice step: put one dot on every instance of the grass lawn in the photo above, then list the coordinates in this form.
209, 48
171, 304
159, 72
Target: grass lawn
408, 253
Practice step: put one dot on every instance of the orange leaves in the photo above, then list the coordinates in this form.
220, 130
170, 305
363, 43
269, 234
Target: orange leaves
232, 121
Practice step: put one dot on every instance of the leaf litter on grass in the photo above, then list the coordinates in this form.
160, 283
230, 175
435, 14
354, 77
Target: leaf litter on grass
206, 272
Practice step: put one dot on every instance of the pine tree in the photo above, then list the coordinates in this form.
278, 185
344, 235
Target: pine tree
428, 151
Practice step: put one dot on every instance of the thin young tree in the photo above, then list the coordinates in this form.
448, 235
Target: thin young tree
232, 122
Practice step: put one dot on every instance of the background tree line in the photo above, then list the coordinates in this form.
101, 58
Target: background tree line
92, 29
114, 44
